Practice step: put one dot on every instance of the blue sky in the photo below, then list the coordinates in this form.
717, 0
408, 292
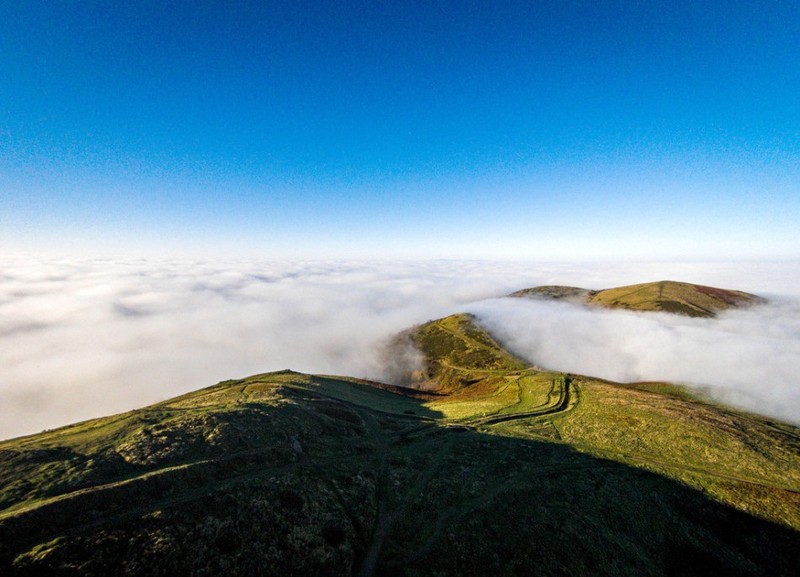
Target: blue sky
541, 130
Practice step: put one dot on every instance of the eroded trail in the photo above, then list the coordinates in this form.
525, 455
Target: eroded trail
563, 393
389, 514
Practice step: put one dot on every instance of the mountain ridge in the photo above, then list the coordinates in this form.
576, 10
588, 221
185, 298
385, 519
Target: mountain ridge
485, 463
663, 296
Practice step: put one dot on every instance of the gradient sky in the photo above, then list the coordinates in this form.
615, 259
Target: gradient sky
564, 129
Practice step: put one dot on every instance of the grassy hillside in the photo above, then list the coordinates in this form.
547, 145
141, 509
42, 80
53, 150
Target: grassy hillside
458, 352
497, 467
744, 460
667, 296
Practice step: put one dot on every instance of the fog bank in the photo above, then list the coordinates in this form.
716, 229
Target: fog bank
749, 357
85, 338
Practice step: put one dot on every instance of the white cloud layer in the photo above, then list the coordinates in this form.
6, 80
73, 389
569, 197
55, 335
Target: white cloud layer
749, 358
85, 338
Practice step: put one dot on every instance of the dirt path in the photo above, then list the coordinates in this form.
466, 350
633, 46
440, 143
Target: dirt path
564, 402
388, 517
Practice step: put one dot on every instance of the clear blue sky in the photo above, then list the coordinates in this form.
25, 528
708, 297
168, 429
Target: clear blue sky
563, 129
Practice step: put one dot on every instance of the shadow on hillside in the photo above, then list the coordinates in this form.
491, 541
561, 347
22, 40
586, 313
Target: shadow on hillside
489, 504
338, 482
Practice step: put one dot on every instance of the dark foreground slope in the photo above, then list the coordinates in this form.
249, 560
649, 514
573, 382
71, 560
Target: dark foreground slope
744, 460
507, 469
667, 296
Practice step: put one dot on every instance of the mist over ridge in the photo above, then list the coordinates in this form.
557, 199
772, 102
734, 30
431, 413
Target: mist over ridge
84, 338
748, 358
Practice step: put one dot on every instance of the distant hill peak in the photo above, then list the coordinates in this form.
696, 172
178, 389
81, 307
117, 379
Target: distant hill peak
665, 296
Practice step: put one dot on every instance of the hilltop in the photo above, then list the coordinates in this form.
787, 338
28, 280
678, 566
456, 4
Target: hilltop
484, 464
668, 296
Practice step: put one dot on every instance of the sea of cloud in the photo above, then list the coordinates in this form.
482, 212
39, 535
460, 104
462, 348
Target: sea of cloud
747, 358
82, 338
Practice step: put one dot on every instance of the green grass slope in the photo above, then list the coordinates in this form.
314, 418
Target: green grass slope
457, 352
743, 460
500, 468
667, 296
